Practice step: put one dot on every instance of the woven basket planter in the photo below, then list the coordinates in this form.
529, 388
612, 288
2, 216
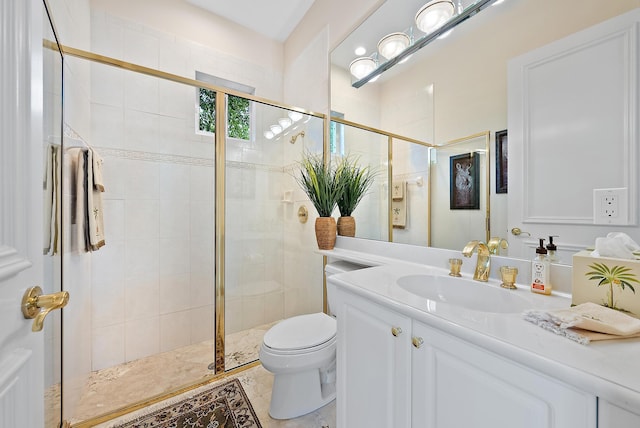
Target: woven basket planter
326, 232
347, 226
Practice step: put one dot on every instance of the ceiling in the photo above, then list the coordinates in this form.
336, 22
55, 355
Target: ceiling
275, 19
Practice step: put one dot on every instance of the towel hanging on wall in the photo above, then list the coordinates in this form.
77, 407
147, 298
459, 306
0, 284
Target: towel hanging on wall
52, 199
399, 205
87, 216
398, 190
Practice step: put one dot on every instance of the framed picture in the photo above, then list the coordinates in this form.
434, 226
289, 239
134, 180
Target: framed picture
501, 161
464, 182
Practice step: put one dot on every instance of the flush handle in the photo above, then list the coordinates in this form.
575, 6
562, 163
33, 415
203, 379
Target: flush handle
396, 331
36, 306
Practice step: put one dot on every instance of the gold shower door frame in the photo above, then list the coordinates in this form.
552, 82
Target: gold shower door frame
220, 191
390, 139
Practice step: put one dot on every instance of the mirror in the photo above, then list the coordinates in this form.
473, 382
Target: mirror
459, 191
462, 78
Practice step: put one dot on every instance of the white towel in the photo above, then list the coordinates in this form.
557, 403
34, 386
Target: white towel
95, 224
398, 190
87, 229
52, 199
586, 322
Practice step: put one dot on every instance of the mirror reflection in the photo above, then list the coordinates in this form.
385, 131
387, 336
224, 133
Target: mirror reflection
458, 85
459, 192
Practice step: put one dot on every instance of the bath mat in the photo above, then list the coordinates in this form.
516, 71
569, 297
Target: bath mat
221, 406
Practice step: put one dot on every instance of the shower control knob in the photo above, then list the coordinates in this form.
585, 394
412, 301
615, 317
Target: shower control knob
417, 341
396, 331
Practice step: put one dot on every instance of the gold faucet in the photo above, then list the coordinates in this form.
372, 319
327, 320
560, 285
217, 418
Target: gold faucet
483, 266
496, 243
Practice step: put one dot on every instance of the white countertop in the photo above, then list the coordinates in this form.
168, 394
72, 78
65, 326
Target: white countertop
609, 369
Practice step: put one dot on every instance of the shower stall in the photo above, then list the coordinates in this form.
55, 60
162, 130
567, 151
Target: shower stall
204, 248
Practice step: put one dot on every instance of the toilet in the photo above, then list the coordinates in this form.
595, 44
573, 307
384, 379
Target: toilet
301, 353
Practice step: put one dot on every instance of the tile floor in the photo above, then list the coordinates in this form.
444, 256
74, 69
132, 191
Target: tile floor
115, 387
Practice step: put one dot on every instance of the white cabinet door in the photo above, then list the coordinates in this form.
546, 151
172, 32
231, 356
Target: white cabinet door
374, 363
466, 386
612, 416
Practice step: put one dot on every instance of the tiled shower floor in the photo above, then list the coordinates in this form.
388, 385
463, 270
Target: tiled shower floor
115, 387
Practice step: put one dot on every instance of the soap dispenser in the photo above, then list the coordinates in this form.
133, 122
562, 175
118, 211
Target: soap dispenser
540, 271
551, 250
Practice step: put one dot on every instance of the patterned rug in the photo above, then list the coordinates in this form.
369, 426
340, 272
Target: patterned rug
222, 406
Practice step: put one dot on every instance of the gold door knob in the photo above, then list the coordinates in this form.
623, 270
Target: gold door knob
517, 232
396, 331
417, 341
36, 306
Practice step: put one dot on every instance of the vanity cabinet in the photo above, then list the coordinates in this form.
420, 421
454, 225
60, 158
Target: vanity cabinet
397, 372
374, 365
457, 384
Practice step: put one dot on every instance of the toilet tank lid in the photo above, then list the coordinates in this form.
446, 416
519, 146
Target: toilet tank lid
301, 332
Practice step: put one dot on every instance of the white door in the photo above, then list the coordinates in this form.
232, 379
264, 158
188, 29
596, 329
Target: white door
573, 119
21, 265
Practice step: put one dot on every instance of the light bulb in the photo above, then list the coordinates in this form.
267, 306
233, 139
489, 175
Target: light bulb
392, 44
434, 15
276, 129
285, 122
268, 135
294, 115
361, 67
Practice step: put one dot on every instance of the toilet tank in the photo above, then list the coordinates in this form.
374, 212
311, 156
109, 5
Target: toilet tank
334, 268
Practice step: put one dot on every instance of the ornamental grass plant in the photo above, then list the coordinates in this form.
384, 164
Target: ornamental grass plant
320, 183
355, 181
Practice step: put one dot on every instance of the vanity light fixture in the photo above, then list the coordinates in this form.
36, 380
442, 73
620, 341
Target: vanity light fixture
434, 14
362, 66
434, 19
392, 44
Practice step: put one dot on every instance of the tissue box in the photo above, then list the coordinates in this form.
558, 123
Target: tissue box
606, 281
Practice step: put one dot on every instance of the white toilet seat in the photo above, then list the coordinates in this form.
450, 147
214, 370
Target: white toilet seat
301, 334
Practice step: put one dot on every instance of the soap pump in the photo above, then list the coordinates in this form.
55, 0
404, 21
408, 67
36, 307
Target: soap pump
551, 250
540, 271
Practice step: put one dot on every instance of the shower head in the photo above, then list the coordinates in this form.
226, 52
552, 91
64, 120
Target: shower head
295, 137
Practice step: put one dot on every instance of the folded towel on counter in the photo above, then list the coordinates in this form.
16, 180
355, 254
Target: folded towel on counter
586, 322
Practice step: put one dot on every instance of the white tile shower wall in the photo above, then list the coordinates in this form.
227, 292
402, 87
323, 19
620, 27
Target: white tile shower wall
159, 213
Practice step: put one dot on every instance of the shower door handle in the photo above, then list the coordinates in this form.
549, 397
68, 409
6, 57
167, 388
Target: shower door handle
36, 306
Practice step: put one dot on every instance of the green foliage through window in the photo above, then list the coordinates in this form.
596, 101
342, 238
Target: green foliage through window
238, 114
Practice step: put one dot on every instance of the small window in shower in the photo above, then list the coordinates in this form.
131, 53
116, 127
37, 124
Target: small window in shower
238, 108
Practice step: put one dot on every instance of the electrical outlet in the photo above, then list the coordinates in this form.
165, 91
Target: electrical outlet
610, 206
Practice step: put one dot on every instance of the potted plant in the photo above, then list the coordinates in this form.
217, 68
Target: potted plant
354, 181
319, 183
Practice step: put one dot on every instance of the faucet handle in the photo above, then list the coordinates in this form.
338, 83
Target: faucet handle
454, 267
495, 243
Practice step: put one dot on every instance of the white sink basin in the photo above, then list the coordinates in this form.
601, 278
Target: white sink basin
467, 293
